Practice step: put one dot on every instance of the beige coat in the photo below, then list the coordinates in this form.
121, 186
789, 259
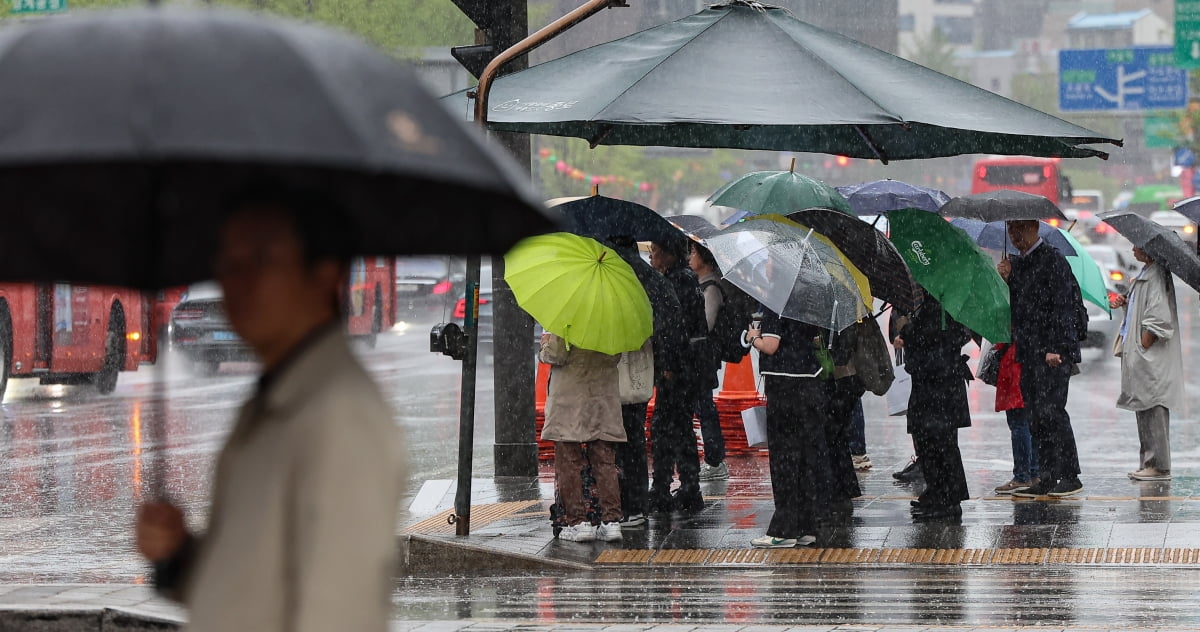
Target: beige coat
1152, 377
583, 403
301, 536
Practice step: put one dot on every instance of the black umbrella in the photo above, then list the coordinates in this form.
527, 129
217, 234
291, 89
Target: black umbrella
1003, 205
127, 133
604, 218
750, 76
1162, 244
693, 226
869, 249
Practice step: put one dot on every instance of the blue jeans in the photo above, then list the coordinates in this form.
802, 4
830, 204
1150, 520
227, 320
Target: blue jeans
1024, 448
858, 430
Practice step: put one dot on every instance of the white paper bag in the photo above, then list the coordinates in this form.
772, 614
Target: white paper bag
755, 421
897, 395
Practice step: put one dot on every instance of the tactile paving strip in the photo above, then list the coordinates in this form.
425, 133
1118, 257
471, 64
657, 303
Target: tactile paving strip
481, 515
1015, 556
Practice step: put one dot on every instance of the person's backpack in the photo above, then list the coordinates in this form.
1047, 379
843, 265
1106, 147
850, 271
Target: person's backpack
725, 337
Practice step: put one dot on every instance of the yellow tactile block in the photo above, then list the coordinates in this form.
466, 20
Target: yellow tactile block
893, 556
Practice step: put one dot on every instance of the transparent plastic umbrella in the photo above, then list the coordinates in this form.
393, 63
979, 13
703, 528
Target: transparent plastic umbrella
791, 271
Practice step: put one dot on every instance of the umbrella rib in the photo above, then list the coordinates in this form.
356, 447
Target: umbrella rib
875, 149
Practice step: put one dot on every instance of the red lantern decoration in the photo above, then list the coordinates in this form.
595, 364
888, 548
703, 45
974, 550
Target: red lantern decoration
561, 167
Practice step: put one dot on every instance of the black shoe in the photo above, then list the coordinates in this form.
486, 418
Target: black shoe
688, 503
1042, 488
1066, 487
911, 472
937, 512
661, 504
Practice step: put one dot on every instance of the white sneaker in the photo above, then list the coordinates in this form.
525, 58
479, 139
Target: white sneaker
862, 462
718, 472
609, 532
806, 540
636, 520
582, 532
772, 542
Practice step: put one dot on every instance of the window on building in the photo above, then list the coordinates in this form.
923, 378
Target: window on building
958, 30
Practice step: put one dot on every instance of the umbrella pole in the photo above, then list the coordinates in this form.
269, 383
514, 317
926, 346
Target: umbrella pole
466, 417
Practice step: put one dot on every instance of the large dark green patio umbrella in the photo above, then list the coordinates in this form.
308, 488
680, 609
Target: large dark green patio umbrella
748, 76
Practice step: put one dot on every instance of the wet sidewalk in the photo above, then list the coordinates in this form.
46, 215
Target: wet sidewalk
1115, 521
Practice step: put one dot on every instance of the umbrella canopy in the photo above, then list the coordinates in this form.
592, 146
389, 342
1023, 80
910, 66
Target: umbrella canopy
695, 227
947, 263
870, 250
1087, 274
1161, 243
778, 192
747, 76
581, 291
994, 236
790, 270
881, 196
1003, 205
604, 218
1189, 208
132, 131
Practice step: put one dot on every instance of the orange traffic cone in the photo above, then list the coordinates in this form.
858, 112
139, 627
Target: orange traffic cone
738, 392
540, 389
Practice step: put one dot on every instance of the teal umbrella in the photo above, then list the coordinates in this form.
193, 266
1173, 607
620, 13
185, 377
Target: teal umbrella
779, 193
1087, 274
746, 75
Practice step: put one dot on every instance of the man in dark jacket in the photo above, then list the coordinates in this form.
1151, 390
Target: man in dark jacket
677, 387
670, 346
1043, 303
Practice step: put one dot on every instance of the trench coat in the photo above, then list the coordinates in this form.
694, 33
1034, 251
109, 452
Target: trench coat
301, 534
583, 402
1151, 377
933, 343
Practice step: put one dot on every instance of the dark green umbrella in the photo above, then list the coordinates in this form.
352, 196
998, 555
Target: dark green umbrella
946, 262
780, 193
748, 76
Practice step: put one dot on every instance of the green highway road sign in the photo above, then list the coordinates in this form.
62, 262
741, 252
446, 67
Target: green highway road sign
1187, 33
36, 6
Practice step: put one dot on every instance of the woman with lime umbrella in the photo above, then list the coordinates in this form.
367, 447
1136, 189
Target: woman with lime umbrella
593, 308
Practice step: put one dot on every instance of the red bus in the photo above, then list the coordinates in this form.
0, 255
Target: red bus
1040, 176
72, 334
370, 297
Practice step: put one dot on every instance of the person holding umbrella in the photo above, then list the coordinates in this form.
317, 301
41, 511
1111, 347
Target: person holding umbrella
1151, 364
1044, 299
301, 535
937, 407
705, 266
674, 442
797, 418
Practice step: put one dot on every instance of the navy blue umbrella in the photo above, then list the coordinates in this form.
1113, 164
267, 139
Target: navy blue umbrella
604, 218
881, 196
994, 235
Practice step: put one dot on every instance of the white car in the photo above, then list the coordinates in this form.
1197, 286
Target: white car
1182, 226
1117, 265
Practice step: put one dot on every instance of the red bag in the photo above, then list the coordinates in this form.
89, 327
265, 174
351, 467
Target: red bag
1008, 384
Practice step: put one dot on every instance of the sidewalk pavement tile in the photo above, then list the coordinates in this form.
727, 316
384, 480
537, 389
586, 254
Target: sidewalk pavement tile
1138, 535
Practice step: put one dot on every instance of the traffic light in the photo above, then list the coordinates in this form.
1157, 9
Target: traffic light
501, 24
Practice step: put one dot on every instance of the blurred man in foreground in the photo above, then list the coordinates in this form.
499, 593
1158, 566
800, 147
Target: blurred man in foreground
301, 531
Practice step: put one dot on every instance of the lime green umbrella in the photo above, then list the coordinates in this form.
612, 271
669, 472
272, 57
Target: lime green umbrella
580, 291
780, 193
953, 269
1087, 274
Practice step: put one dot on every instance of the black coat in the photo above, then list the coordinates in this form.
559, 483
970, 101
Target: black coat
690, 323
1043, 298
669, 340
933, 343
